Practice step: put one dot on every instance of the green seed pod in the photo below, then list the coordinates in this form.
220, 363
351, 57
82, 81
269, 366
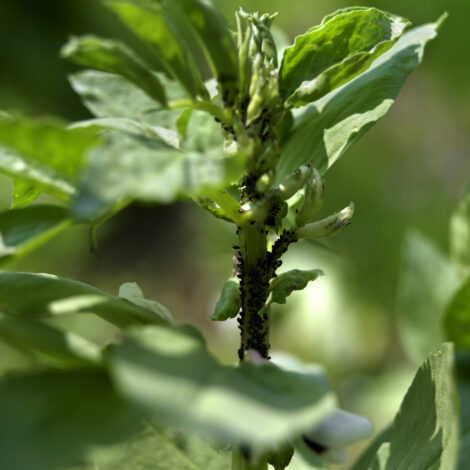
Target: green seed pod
312, 201
328, 226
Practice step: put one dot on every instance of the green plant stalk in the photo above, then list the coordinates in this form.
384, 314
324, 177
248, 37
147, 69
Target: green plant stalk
241, 462
254, 287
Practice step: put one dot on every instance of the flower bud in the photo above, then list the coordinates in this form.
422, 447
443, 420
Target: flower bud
312, 200
328, 226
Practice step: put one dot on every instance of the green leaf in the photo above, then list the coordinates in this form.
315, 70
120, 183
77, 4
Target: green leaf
59, 348
216, 40
332, 124
44, 295
133, 293
426, 283
425, 430
460, 236
23, 230
129, 167
368, 455
457, 318
153, 449
59, 419
169, 372
463, 385
150, 21
114, 57
112, 96
24, 193
230, 302
44, 154
331, 54
131, 127
284, 284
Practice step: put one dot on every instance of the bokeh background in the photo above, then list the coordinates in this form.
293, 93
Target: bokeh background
407, 172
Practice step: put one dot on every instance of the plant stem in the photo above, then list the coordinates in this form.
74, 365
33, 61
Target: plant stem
254, 287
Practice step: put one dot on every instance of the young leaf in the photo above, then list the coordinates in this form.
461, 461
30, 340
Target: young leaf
426, 283
45, 295
425, 430
127, 168
24, 193
284, 284
343, 46
323, 131
133, 293
114, 57
216, 40
22, 230
169, 372
229, 303
83, 416
457, 318
112, 96
58, 347
150, 21
460, 236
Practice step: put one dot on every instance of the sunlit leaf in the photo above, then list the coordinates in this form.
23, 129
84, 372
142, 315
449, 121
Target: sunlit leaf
57, 347
169, 372
343, 46
426, 283
59, 419
112, 96
45, 295
150, 21
323, 131
22, 230
129, 167
114, 57
425, 430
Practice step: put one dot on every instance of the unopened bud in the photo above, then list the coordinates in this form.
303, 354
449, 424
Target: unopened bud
293, 182
312, 200
328, 226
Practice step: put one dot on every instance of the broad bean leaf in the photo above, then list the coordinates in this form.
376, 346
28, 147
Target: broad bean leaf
133, 293
55, 419
112, 96
425, 430
45, 295
22, 230
216, 40
114, 57
169, 373
343, 46
44, 155
151, 22
57, 347
460, 236
128, 167
427, 282
153, 449
324, 130
230, 302
457, 318
463, 386
284, 284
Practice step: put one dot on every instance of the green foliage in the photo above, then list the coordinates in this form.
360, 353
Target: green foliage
460, 236
234, 145
163, 369
322, 59
21, 230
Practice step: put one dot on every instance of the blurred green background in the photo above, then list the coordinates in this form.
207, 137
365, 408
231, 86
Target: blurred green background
408, 171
